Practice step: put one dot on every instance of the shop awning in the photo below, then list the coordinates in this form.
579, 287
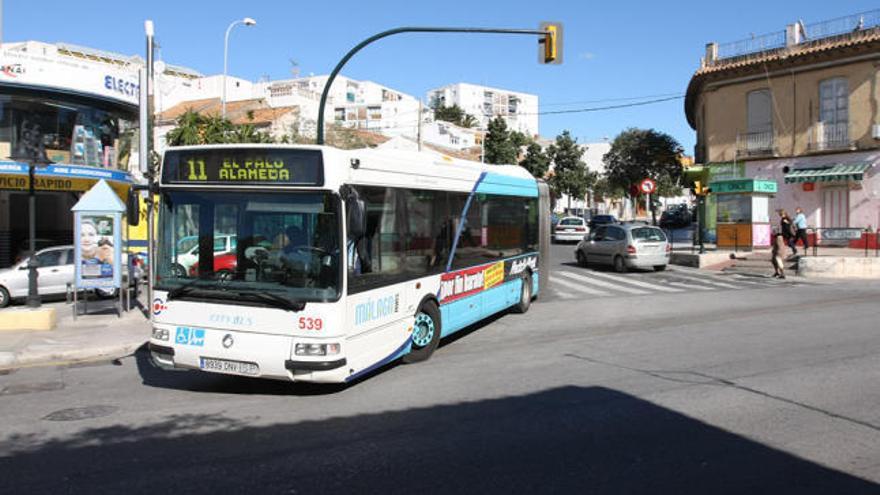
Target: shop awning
839, 172
62, 177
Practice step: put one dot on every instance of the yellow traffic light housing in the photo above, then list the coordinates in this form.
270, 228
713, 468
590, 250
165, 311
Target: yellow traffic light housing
550, 45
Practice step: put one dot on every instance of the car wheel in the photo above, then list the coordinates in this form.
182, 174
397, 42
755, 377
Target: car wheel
581, 259
107, 294
659, 268
224, 276
619, 264
4, 297
425, 334
525, 295
178, 271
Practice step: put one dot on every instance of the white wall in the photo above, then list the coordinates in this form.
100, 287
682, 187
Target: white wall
472, 99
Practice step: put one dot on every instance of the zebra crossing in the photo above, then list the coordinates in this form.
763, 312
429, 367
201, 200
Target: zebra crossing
571, 282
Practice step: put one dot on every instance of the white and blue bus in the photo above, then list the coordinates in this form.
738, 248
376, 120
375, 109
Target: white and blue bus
342, 261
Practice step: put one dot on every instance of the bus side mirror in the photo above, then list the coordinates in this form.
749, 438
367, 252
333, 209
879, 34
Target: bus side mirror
356, 212
133, 211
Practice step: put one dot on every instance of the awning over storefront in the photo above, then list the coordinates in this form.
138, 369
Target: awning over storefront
61, 177
839, 172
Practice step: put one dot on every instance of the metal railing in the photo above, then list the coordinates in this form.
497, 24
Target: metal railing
755, 44
841, 25
825, 137
754, 143
809, 32
864, 240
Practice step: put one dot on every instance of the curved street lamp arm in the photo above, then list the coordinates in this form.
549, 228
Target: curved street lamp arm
384, 34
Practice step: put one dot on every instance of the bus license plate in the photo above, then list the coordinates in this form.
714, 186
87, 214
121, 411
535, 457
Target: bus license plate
225, 366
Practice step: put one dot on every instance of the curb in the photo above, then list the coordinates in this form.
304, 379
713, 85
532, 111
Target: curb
60, 358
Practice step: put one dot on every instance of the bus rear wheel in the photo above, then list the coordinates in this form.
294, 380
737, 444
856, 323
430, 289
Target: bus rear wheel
525, 295
425, 333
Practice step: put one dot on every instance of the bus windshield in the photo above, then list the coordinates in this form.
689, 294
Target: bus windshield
272, 248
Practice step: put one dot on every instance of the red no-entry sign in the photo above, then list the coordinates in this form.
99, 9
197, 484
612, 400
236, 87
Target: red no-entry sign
647, 186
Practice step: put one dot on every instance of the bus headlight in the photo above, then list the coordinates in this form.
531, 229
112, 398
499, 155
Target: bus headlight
316, 349
160, 334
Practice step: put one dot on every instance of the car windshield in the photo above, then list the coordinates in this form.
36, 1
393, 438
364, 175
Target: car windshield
648, 234
571, 221
284, 244
603, 219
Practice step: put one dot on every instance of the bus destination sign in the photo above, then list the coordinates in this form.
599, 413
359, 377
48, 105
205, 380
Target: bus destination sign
243, 166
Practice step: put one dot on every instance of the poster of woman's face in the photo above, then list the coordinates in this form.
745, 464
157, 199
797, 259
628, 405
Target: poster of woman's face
96, 246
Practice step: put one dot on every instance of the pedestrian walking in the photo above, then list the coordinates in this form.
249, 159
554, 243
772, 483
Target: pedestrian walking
787, 230
776, 255
800, 225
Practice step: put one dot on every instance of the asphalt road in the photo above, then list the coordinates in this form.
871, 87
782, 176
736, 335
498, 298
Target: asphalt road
761, 387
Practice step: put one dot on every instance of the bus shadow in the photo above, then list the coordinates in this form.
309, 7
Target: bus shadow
199, 381
562, 440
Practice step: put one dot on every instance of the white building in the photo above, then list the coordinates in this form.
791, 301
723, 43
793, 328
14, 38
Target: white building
519, 110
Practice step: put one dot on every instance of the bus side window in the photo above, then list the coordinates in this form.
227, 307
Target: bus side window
428, 233
378, 256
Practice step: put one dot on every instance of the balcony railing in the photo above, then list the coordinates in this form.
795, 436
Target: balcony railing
805, 33
754, 143
826, 137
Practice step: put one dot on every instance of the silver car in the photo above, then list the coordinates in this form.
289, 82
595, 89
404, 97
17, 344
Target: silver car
54, 273
624, 247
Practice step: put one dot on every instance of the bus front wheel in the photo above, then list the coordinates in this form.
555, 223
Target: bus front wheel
425, 333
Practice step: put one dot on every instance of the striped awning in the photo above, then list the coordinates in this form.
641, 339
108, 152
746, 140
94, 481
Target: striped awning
839, 172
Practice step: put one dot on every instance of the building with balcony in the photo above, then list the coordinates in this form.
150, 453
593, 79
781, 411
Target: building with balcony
519, 110
799, 106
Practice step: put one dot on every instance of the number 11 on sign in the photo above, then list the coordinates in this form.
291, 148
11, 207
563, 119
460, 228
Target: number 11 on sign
193, 164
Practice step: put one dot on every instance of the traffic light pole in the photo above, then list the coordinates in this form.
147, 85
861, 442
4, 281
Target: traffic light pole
390, 32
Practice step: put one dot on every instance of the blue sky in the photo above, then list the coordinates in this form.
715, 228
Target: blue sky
613, 49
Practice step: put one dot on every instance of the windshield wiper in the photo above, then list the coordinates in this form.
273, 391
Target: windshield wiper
182, 289
275, 300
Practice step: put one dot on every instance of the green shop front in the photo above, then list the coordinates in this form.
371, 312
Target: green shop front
742, 212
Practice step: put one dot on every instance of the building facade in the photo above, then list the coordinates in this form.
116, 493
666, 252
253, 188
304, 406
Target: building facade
519, 110
82, 106
799, 107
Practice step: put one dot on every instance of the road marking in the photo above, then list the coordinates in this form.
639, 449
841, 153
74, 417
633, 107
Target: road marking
689, 286
637, 283
601, 283
705, 281
579, 288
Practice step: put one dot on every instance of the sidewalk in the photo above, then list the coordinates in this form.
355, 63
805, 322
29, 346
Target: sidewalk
828, 262
92, 337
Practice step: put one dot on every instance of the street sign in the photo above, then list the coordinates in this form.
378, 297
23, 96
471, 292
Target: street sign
647, 186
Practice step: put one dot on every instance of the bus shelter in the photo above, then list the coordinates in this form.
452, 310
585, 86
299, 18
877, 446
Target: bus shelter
743, 212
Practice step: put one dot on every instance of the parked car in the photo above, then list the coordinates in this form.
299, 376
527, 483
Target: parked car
224, 266
676, 216
54, 274
597, 220
625, 247
185, 260
570, 229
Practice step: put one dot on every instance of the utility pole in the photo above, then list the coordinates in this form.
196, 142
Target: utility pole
419, 131
146, 156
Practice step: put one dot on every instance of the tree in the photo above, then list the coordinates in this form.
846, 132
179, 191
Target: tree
536, 161
468, 121
637, 154
455, 115
497, 146
570, 173
194, 128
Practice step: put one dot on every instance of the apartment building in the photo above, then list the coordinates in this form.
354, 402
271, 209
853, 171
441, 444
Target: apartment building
798, 106
519, 110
